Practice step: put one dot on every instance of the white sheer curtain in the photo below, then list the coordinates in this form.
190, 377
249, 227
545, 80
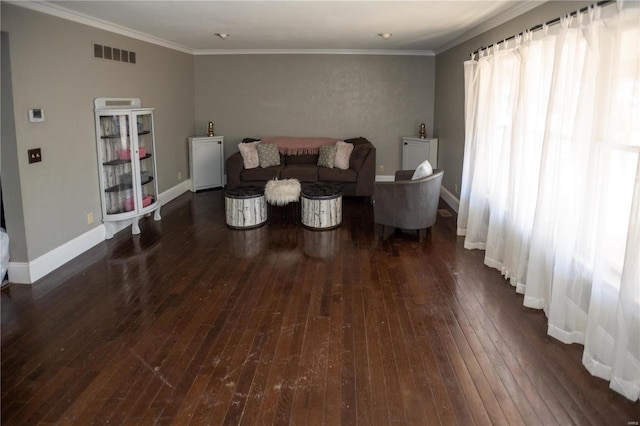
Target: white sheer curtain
551, 180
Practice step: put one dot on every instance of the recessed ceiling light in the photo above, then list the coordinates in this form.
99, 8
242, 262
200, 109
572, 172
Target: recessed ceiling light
222, 35
385, 35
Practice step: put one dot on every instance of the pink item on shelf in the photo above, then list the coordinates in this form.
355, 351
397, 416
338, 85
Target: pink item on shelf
125, 154
129, 203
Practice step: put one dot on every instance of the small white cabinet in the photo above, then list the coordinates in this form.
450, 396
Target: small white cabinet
206, 162
415, 150
126, 163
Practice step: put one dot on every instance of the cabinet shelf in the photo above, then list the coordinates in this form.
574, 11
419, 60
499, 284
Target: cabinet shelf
119, 162
126, 186
144, 132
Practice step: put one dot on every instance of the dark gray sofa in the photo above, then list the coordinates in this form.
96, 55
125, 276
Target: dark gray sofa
357, 180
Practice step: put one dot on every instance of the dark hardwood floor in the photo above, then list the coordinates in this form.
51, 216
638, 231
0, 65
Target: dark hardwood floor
193, 323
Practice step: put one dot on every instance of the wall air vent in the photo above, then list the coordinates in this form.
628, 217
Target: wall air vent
113, 54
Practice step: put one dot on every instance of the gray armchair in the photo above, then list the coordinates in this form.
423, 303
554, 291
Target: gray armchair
406, 204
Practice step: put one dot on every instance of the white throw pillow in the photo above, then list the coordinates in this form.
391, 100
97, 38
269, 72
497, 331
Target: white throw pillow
423, 170
343, 154
249, 154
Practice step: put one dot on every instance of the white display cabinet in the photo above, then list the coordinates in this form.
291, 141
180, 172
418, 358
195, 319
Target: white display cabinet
206, 161
126, 163
415, 150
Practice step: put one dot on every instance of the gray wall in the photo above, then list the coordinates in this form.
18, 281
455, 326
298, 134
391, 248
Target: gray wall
379, 97
449, 98
53, 68
11, 195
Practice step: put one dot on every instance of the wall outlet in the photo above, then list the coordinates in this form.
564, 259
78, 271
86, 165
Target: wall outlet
455, 189
381, 168
179, 176
35, 155
90, 218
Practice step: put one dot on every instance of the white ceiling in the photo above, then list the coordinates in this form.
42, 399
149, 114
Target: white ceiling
419, 27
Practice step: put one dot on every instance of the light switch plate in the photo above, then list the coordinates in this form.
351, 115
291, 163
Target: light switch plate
36, 115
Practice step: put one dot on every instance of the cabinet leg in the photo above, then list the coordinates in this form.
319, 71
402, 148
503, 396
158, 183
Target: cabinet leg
156, 215
108, 230
135, 228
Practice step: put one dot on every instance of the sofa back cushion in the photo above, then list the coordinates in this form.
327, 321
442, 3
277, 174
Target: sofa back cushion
301, 159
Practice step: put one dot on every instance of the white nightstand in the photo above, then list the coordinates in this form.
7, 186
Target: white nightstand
206, 162
415, 150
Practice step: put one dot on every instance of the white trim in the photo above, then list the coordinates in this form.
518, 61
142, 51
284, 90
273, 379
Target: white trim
19, 273
385, 178
30, 272
50, 8
53, 9
521, 8
173, 193
314, 52
450, 199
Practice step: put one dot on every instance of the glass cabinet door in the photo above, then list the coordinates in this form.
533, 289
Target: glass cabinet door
116, 148
144, 131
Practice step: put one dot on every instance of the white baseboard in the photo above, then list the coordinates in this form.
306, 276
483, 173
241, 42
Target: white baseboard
385, 178
173, 193
30, 272
450, 199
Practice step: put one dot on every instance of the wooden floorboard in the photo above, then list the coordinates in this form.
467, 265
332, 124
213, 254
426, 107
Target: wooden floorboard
191, 322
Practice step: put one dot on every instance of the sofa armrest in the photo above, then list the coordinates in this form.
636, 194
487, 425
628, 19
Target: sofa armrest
367, 170
233, 167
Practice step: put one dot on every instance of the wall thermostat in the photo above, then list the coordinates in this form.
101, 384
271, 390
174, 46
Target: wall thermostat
36, 115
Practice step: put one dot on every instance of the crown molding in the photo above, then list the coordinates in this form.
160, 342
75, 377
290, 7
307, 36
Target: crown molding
313, 52
64, 13
61, 12
522, 7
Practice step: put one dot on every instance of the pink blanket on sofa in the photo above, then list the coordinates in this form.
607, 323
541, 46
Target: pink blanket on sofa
299, 146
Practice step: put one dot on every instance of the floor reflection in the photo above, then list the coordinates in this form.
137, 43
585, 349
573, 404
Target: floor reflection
321, 244
248, 242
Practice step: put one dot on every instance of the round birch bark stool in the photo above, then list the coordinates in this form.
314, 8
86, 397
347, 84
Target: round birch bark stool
321, 207
245, 207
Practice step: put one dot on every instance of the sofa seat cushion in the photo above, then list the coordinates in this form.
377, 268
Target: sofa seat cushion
336, 175
260, 173
302, 172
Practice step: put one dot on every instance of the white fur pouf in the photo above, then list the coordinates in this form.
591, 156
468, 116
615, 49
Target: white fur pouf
282, 192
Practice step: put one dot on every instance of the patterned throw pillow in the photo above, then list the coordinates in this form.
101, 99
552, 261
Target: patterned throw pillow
327, 156
268, 155
343, 154
249, 154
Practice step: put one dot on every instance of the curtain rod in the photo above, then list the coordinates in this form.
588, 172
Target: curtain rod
540, 26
